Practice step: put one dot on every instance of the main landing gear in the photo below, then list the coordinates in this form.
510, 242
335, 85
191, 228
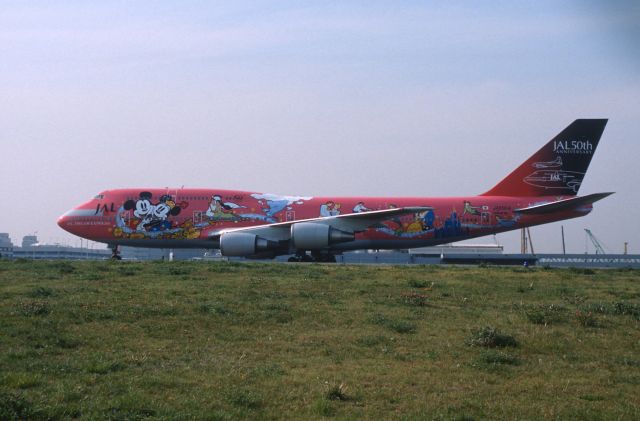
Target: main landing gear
300, 256
115, 253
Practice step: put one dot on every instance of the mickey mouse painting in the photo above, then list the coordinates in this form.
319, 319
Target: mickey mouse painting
153, 217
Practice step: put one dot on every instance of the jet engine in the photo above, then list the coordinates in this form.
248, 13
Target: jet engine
314, 236
244, 244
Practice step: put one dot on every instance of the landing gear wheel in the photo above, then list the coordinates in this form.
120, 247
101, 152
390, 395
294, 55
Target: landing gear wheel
115, 253
301, 256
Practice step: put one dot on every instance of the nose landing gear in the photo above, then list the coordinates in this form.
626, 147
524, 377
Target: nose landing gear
115, 252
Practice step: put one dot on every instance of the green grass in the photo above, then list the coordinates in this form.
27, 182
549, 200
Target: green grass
121, 340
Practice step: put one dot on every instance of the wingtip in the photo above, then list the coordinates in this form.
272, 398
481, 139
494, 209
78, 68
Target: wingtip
599, 196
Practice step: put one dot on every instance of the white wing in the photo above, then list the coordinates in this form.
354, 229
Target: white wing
351, 222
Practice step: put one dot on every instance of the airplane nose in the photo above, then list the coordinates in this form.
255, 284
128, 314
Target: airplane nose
75, 220
63, 221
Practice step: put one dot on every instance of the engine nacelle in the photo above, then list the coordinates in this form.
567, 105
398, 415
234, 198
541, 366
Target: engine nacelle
314, 236
244, 244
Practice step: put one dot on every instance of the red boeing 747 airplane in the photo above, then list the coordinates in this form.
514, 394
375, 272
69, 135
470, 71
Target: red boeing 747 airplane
258, 225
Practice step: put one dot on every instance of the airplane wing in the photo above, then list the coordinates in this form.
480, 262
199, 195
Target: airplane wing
350, 222
561, 205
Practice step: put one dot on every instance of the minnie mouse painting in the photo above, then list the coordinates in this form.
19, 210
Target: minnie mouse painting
153, 217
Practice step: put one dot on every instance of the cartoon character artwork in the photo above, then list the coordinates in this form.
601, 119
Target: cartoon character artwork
415, 225
504, 216
360, 207
152, 217
330, 209
222, 211
469, 209
424, 224
151, 220
429, 218
391, 225
272, 204
420, 224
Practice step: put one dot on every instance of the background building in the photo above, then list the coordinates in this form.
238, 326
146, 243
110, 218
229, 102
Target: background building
33, 249
29, 240
6, 246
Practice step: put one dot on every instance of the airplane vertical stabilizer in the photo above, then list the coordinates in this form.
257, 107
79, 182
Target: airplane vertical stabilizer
558, 167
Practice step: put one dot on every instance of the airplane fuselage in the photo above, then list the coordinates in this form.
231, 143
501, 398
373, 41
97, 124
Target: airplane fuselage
180, 218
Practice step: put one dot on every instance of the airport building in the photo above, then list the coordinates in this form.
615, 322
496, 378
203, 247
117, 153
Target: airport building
461, 254
458, 249
29, 240
33, 249
56, 251
138, 253
6, 246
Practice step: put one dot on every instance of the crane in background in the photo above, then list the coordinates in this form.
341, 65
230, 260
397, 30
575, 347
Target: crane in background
525, 236
596, 243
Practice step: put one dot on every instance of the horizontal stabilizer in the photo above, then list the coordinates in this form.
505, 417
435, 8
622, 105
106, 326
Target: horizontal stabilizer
561, 205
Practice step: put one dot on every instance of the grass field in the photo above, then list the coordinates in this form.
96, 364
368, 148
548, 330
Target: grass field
115, 340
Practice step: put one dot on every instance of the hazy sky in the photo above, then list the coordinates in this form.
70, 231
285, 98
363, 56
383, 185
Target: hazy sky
402, 98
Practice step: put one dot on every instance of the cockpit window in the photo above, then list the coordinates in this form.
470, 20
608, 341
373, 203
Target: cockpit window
99, 196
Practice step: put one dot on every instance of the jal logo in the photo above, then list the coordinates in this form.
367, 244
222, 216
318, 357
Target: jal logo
102, 208
572, 146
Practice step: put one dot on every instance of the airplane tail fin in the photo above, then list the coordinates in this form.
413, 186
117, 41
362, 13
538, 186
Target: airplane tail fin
558, 167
